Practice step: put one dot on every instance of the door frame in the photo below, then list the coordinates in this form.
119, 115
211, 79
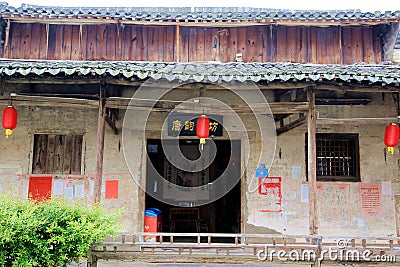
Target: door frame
142, 193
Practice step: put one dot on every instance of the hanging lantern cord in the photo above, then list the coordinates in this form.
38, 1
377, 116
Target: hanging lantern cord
9, 131
10, 101
398, 108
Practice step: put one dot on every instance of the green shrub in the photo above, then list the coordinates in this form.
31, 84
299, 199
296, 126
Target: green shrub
51, 233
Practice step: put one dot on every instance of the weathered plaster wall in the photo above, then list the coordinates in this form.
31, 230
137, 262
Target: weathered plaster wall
16, 155
338, 203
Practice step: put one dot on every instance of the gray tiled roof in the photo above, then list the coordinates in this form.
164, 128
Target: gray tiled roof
207, 72
194, 14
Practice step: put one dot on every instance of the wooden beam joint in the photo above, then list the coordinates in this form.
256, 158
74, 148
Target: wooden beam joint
287, 127
111, 121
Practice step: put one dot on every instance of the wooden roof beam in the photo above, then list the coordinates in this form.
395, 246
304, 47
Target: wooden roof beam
199, 23
289, 126
275, 107
123, 103
333, 86
51, 101
51, 80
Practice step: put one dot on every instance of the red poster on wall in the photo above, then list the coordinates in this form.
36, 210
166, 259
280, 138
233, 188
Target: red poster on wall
270, 187
111, 189
40, 188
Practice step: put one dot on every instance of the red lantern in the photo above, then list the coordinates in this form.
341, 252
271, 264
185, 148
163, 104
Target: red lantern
391, 139
9, 119
202, 129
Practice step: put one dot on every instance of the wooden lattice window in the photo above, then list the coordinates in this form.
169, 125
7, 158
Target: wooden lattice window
57, 154
337, 157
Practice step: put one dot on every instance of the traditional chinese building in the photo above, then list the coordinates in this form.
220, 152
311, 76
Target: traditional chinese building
298, 102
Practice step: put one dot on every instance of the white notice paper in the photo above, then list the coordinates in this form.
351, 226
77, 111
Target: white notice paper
386, 188
304, 193
69, 192
79, 191
296, 172
91, 188
58, 188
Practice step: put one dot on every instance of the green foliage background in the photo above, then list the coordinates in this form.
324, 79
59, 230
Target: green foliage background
51, 233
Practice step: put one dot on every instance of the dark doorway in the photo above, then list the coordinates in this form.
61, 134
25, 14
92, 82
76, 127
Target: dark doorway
220, 216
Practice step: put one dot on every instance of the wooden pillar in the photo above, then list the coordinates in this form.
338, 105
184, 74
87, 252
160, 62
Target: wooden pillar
2, 84
92, 259
98, 177
312, 158
178, 44
6, 49
47, 40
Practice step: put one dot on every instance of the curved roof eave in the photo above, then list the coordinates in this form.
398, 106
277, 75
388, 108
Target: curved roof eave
206, 72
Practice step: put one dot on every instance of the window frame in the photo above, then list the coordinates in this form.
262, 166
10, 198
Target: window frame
64, 133
351, 137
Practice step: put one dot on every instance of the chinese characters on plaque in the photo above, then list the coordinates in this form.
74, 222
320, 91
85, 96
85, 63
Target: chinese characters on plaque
185, 125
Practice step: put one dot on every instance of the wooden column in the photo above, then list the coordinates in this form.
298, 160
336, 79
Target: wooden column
98, 177
2, 84
92, 259
178, 44
6, 48
312, 158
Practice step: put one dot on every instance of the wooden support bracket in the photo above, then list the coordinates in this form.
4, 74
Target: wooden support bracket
287, 127
111, 122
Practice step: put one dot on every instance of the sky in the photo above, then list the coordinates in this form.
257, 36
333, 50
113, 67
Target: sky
363, 5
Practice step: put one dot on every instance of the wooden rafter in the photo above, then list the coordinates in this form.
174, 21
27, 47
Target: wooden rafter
263, 85
51, 80
196, 22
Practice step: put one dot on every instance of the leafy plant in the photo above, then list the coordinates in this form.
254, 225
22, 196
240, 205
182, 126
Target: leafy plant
50, 233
